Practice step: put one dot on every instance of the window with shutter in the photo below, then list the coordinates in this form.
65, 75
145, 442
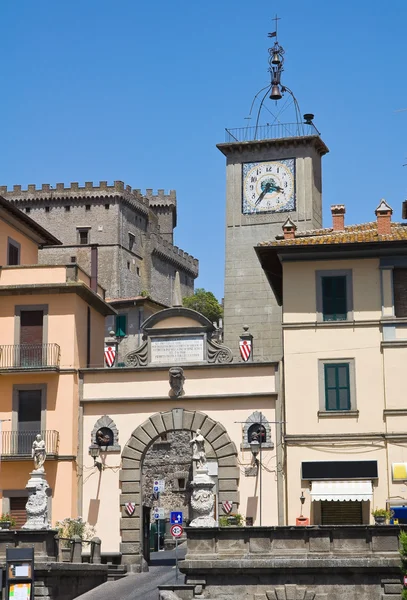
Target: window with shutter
334, 301
13, 253
337, 386
121, 325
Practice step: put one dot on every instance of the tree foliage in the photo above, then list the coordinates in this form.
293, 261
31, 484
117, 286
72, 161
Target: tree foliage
205, 303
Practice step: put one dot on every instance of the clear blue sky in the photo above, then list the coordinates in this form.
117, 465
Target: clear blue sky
142, 91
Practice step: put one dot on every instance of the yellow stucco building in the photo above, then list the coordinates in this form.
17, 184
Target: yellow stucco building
343, 293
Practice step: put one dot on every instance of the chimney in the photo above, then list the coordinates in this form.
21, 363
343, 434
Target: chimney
94, 268
338, 217
383, 213
289, 229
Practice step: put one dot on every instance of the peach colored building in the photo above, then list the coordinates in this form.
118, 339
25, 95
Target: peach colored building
344, 295
52, 325
135, 407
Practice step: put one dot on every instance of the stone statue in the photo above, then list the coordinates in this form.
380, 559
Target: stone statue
39, 453
37, 505
176, 377
198, 450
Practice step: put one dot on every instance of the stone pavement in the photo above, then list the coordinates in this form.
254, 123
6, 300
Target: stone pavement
141, 586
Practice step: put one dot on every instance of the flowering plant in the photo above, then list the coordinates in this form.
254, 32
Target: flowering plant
7, 518
68, 528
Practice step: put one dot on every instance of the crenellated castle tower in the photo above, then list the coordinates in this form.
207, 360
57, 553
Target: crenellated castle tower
133, 233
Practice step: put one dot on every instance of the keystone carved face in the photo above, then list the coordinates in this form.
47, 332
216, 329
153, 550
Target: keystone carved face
176, 378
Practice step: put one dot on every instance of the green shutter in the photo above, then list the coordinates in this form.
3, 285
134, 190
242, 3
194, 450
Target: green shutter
337, 386
121, 328
334, 304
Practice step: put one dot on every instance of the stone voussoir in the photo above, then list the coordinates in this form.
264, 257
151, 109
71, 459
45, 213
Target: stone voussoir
215, 433
207, 426
158, 423
168, 421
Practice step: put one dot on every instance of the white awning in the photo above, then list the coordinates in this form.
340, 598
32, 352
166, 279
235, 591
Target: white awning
341, 490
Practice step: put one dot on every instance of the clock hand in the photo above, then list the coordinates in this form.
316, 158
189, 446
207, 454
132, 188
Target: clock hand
264, 192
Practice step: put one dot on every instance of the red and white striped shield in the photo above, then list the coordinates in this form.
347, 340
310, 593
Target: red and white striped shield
110, 355
227, 506
245, 349
130, 508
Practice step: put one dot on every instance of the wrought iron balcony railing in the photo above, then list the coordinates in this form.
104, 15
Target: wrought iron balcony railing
270, 132
30, 356
19, 443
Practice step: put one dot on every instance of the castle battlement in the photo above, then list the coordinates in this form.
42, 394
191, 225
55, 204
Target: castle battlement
161, 199
75, 191
175, 255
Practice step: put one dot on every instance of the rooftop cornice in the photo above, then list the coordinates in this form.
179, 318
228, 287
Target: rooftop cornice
228, 148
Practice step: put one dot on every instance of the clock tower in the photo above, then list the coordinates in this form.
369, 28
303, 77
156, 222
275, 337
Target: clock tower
272, 172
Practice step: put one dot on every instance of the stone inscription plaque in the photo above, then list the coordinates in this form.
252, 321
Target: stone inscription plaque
175, 350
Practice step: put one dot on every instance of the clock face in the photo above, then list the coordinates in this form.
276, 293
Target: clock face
269, 187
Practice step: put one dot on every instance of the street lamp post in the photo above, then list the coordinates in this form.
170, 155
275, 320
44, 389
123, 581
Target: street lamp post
255, 446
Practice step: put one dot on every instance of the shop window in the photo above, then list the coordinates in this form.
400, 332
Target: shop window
334, 295
13, 252
337, 386
121, 325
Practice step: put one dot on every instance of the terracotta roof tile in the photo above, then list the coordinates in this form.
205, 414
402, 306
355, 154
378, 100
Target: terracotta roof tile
365, 232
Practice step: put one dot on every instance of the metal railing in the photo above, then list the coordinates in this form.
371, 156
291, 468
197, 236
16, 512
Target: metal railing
19, 443
270, 132
30, 356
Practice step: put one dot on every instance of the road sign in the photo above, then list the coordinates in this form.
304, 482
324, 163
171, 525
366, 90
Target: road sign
176, 531
176, 518
159, 485
159, 513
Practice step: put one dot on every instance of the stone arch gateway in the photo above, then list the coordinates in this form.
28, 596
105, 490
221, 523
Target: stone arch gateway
132, 458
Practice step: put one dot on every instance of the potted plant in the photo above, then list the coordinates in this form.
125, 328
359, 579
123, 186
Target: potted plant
234, 519
381, 515
67, 529
7, 521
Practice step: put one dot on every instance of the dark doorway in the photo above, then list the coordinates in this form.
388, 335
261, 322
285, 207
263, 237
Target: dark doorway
146, 533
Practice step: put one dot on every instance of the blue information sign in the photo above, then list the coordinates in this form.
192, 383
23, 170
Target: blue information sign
176, 518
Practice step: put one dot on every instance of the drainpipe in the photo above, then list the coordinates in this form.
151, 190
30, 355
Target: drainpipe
280, 418
94, 267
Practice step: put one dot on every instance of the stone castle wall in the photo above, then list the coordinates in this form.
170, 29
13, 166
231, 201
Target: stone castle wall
124, 223
170, 460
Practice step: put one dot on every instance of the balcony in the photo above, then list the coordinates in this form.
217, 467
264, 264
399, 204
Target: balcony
18, 444
29, 357
270, 132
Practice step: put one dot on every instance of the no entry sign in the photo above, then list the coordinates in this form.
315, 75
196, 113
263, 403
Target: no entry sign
176, 531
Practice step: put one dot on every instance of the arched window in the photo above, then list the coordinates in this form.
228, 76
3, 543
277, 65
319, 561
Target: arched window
105, 435
258, 424
258, 430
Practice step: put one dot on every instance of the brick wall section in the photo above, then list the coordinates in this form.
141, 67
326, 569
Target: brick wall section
110, 214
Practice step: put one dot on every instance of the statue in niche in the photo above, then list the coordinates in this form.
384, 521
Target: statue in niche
198, 450
38, 453
177, 378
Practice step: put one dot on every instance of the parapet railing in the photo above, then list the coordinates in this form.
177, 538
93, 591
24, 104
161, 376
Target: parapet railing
19, 443
30, 356
270, 132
